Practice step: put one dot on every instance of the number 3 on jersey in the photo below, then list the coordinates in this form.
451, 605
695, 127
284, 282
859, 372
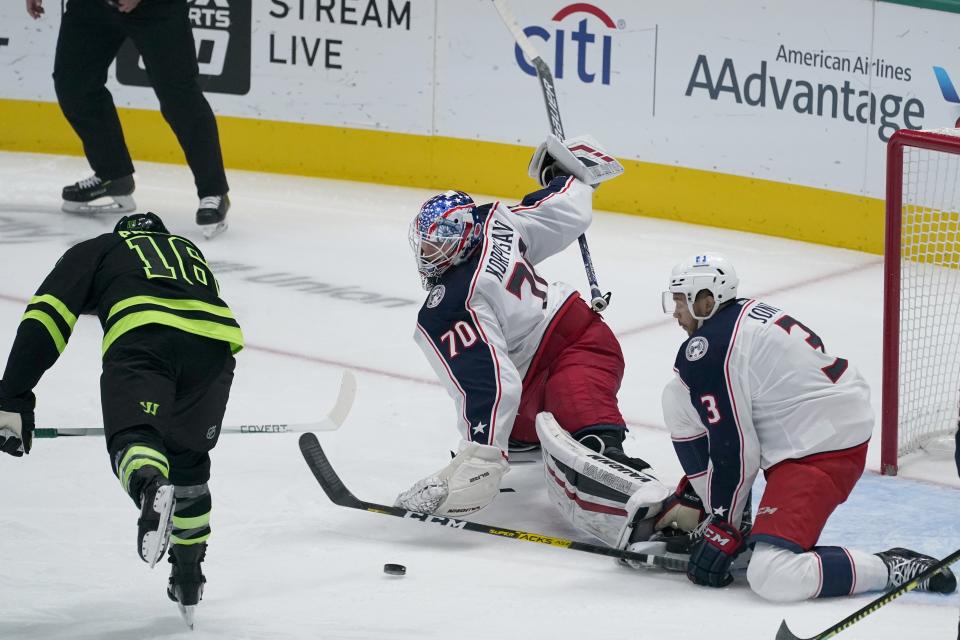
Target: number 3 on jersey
710, 405
462, 334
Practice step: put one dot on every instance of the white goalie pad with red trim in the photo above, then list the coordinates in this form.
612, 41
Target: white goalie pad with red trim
594, 493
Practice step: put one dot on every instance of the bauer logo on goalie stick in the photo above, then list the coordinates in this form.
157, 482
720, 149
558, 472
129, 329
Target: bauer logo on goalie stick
436, 295
697, 348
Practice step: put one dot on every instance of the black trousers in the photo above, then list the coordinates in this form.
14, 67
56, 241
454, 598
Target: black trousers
91, 34
168, 389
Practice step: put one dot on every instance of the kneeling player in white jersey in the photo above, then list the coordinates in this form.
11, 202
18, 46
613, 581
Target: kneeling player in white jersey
506, 343
755, 389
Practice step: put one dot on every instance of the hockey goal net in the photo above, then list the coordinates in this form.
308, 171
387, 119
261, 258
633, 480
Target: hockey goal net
921, 328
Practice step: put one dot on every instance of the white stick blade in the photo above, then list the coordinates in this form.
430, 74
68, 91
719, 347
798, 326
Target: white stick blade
345, 398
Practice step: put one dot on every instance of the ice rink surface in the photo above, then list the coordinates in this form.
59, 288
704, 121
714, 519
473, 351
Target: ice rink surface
320, 277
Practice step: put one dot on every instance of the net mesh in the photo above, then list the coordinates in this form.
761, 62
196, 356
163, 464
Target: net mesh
929, 296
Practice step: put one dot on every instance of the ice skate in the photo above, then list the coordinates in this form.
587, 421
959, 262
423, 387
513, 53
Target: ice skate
212, 215
156, 519
94, 195
186, 579
904, 565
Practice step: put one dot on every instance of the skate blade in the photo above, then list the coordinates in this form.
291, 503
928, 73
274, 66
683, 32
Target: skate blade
187, 613
104, 204
155, 542
213, 230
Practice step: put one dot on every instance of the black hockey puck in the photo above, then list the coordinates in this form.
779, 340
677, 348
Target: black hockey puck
394, 569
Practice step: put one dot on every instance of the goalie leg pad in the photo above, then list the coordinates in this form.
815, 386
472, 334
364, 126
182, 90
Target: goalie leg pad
581, 157
469, 483
595, 494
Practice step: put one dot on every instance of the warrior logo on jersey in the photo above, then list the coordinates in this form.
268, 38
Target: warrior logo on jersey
436, 295
697, 348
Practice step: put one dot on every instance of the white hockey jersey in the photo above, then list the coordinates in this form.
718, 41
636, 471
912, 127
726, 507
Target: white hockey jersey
755, 386
482, 324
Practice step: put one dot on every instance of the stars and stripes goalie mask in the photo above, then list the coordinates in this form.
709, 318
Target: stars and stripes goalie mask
444, 233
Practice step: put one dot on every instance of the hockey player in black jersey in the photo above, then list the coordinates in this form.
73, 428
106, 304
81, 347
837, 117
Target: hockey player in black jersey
168, 365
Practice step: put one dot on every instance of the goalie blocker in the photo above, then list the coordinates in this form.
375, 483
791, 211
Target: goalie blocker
581, 157
600, 496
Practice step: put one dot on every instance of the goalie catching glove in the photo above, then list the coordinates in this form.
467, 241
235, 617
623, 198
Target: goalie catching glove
16, 423
469, 483
581, 157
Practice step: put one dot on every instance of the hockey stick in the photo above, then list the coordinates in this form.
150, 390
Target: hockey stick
338, 493
784, 633
598, 300
330, 422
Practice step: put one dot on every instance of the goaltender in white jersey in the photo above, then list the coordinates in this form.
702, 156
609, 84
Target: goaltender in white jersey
508, 345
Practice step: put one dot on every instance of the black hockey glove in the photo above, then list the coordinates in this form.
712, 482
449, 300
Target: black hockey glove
712, 555
16, 423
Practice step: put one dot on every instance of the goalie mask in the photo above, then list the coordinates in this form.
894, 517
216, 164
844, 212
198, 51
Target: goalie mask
702, 273
148, 221
444, 233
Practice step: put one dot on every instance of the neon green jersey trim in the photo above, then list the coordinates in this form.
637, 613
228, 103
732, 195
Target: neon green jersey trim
47, 321
171, 303
206, 328
57, 304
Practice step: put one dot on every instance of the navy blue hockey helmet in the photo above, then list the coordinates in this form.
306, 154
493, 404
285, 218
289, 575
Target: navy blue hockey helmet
444, 232
148, 221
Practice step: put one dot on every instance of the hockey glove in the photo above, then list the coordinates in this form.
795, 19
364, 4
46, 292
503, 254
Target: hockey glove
581, 157
712, 555
469, 483
16, 423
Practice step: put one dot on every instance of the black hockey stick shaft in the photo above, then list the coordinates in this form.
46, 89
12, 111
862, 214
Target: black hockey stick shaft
598, 300
784, 633
339, 494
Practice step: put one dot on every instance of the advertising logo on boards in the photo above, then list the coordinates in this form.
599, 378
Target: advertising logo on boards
588, 45
221, 31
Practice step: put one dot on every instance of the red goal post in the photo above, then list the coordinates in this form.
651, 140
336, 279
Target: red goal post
921, 318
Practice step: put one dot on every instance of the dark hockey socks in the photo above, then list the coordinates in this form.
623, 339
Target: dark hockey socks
191, 516
136, 466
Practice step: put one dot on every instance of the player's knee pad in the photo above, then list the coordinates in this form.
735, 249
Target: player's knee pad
782, 575
598, 495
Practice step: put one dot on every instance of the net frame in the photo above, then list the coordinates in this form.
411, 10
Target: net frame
916, 214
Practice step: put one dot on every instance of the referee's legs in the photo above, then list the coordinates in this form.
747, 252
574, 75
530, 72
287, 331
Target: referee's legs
166, 43
88, 42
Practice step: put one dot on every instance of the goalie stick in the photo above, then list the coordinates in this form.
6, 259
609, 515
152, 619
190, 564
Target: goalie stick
784, 633
330, 422
338, 493
598, 300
